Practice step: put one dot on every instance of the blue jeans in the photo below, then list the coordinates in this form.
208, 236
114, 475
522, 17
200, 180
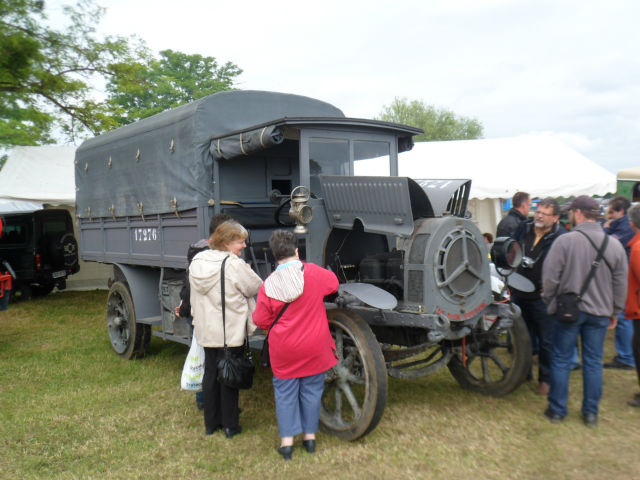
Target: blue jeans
298, 404
592, 330
624, 336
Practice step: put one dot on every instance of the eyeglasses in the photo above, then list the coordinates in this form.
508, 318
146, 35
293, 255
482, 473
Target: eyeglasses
538, 212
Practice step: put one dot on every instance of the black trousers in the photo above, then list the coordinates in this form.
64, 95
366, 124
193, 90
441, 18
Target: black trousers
220, 401
540, 324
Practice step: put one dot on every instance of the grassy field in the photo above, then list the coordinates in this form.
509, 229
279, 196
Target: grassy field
70, 408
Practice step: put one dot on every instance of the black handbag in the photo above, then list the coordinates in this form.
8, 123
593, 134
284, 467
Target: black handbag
234, 370
567, 310
265, 360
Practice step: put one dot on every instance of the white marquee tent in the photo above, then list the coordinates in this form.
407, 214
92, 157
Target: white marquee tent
37, 177
541, 165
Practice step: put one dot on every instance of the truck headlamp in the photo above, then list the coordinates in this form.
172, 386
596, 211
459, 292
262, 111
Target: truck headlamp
300, 212
506, 253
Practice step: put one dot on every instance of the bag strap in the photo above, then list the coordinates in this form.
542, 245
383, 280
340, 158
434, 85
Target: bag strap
276, 320
224, 332
595, 263
596, 248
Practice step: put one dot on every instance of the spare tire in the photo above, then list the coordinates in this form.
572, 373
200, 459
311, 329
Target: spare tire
64, 252
69, 250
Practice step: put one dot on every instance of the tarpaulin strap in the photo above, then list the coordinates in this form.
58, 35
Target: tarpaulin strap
464, 351
241, 146
219, 154
261, 134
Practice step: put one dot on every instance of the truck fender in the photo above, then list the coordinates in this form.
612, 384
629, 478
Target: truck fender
143, 283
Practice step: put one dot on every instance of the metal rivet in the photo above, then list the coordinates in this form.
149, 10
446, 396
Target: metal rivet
109, 162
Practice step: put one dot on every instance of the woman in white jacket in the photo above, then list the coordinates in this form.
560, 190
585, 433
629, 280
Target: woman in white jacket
241, 285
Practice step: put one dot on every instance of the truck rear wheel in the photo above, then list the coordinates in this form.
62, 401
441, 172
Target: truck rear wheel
497, 360
128, 338
355, 391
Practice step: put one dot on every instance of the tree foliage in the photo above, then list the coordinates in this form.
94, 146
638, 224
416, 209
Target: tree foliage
438, 124
47, 76
143, 89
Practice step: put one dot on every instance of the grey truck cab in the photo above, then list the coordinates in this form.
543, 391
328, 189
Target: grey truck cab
415, 292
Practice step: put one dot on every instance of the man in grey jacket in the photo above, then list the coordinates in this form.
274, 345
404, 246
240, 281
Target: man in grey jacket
564, 271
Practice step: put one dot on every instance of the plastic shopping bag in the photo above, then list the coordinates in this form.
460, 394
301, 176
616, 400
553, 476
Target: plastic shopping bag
193, 370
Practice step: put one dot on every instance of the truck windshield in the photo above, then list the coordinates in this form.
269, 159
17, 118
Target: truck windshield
327, 156
371, 158
332, 156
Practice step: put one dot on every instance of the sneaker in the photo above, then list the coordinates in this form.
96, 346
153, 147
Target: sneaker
553, 418
590, 419
615, 363
635, 402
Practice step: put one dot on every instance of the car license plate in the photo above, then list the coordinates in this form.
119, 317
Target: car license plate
61, 273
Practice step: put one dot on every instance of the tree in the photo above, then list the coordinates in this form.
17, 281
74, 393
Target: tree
438, 124
47, 76
143, 89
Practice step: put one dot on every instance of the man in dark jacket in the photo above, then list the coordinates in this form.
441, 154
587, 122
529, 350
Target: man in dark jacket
536, 237
618, 226
507, 227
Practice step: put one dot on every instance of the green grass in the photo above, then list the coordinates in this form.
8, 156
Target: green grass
70, 408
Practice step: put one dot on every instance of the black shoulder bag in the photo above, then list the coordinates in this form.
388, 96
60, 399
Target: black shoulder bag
235, 371
265, 360
567, 309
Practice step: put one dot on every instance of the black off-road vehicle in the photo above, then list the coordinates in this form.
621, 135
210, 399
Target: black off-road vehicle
41, 249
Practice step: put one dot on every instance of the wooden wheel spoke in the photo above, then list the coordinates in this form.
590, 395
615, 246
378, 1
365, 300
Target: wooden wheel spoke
485, 369
498, 362
357, 379
351, 398
339, 344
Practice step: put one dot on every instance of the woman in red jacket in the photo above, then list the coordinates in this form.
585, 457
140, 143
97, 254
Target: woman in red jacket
301, 348
633, 291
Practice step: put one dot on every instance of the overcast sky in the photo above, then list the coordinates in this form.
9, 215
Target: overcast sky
566, 67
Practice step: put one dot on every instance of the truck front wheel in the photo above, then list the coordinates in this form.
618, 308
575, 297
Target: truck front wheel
128, 338
355, 391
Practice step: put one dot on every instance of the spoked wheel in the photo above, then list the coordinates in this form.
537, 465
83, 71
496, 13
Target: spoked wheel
128, 338
355, 391
497, 360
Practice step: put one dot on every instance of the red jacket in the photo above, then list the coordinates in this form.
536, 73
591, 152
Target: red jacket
300, 344
632, 309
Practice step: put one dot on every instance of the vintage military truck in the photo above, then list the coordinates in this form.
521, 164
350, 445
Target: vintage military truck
415, 291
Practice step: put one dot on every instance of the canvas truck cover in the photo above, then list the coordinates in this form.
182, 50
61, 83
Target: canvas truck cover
164, 163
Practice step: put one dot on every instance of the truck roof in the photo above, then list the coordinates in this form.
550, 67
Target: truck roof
163, 163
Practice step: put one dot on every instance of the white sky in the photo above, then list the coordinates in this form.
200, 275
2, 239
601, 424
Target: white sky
566, 67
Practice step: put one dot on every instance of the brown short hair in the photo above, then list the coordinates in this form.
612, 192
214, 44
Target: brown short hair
519, 198
227, 232
283, 244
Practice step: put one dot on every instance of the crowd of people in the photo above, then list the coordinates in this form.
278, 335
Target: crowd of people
595, 262
290, 306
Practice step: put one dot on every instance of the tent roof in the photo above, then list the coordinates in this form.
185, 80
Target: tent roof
39, 174
538, 164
